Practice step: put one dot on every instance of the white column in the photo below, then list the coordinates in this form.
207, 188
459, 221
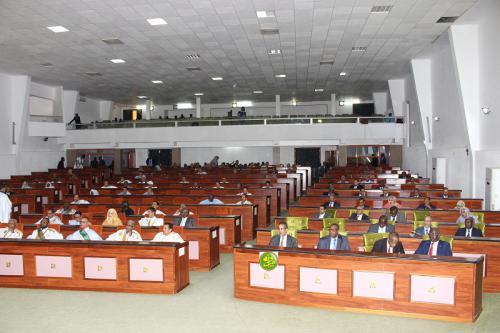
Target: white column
147, 112
278, 106
333, 105
198, 107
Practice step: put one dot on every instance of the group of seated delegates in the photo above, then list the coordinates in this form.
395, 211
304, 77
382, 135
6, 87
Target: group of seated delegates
85, 232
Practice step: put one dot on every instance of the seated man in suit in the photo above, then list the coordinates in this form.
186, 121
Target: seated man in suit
11, 231
392, 244
425, 229
44, 232
361, 193
168, 235
356, 185
322, 214
445, 194
362, 203
334, 241
53, 219
331, 189
426, 205
150, 220
283, 239
127, 234
469, 230
85, 233
184, 220
395, 215
359, 215
434, 246
385, 192
381, 227
331, 203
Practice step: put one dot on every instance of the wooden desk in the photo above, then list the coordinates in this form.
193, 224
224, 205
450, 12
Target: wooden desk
351, 281
203, 242
137, 267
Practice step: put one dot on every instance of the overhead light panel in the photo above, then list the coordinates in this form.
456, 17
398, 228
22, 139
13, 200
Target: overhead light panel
217, 78
157, 81
341, 103
198, 94
117, 61
274, 52
142, 97
343, 74
265, 14
57, 29
157, 21
182, 106
381, 9
244, 104
257, 91
280, 75
486, 110
319, 90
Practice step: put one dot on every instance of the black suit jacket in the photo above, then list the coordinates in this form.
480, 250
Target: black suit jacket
381, 247
354, 217
189, 222
475, 232
335, 204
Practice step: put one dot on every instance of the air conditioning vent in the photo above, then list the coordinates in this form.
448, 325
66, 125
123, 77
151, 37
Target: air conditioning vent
270, 31
112, 41
194, 56
381, 9
447, 19
93, 74
193, 69
326, 62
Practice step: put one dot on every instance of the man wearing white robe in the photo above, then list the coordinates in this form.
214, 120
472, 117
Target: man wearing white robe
78, 201
128, 234
44, 232
168, 235
150, 220
11, 232
5, 208
53, 219
85, 233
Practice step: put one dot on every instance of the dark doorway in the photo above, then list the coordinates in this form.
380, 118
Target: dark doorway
308, 157
161, 156
132, 114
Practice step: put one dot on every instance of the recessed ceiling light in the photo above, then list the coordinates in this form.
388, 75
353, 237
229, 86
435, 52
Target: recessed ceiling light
273, 52
198, 94
217, 78
117, 61
486, 110
157, 81
264, 14
343, 74
280, 75
157, 21
319, 90
142, 97
412, 122
341, 103
57, 28
181, 106
257, 91
359, 48
193, 56
436, 118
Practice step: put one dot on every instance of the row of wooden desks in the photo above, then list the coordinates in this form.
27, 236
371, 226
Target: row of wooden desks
138, 267
487, 248
445, 288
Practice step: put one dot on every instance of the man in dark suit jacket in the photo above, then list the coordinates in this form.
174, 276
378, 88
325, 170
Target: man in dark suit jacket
381, 227
426, 205
322, 213
358, 215
469, 230
184, 220
396, 215
283, 239
362, 203
434, 246
389, 245
332, 203
334, 241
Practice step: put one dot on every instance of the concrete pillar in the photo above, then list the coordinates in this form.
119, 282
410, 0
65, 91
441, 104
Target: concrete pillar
278, 106
198, 107
147, 113
333, 105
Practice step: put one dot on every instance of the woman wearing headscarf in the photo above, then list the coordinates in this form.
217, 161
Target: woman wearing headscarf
112, 219
465, 213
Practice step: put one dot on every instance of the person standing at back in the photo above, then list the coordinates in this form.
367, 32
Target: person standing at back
60, 165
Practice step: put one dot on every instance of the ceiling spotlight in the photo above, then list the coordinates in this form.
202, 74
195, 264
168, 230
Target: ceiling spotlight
319, 90
198, 94
412, 122
142, 97
117, 61
157, 81
280, 75
343, 74
217, 78
257, 91
436, 118
265, 14
341, 103
157, 21
234, 104
294, 102
57, 29
486, 110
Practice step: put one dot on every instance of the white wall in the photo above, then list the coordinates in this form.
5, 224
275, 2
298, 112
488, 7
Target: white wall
89, 111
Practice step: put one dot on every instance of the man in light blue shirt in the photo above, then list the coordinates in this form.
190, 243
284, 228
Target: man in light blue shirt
211, 201
85, 233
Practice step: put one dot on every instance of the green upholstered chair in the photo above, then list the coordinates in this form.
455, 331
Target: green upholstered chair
448, 239
297, 223
419, 215
326, 232
480, 216
290, 232
328, 222
370, 239
418, 224
332, 212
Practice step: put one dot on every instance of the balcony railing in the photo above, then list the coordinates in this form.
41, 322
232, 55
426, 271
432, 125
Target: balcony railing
298, 120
